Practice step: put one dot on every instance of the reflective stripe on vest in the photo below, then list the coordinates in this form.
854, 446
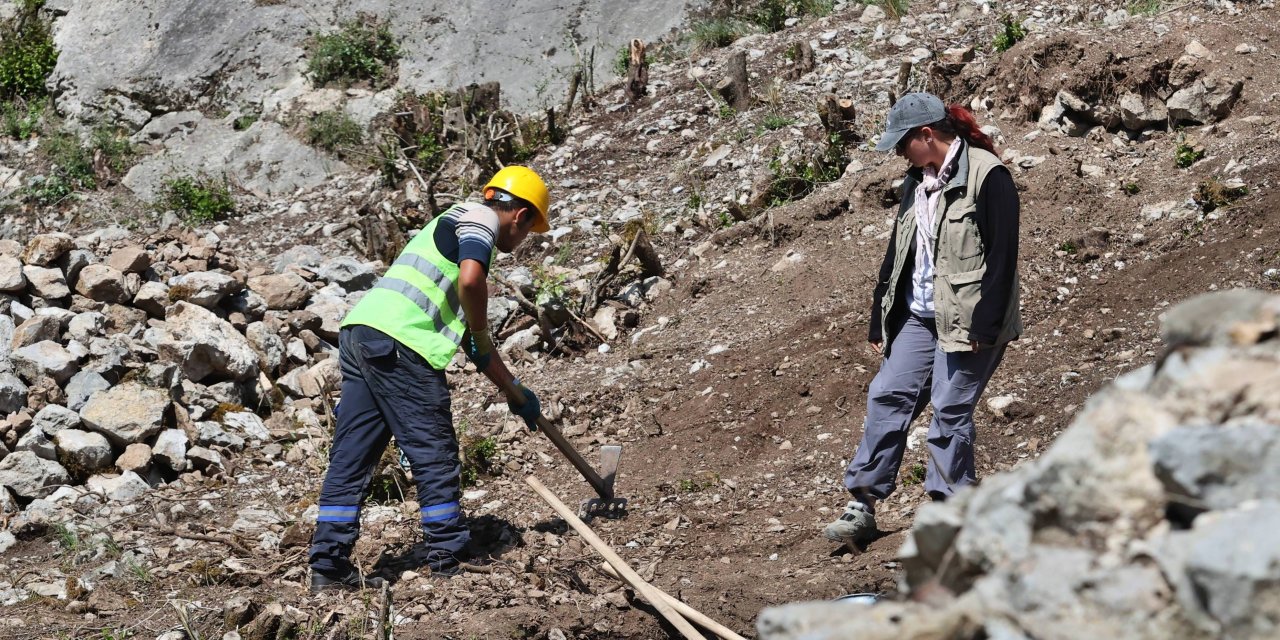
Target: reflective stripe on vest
416, 301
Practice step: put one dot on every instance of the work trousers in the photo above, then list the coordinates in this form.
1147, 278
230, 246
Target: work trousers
388, 389
917, 371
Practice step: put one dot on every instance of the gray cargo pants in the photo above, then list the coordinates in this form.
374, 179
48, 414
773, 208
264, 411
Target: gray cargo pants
897, 395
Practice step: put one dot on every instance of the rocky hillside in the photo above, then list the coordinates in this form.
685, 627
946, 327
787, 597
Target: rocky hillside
167, 360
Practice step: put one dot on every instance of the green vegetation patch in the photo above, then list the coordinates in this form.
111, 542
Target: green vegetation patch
334, 131
1011, 33
362, 50
27, 54
197, 199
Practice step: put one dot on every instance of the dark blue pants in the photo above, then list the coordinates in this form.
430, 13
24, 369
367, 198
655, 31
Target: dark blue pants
917, 372
388, 389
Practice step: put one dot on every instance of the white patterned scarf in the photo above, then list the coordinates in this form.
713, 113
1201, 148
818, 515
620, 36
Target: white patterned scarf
928, 194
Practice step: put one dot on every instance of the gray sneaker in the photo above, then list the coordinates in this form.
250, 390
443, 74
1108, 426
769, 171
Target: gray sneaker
855, 526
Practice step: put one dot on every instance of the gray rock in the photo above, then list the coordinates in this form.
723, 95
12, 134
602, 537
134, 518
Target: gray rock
1204, 101
37, 441
46, 283
46, 358
204, 345
348, 273
104, 284
211, 434
73, 262
202, 458
152, 297
13, 393
303, 255
252, 305
331, 310
1220, 318
247, 423
29, 476
283, 291
45, 249
86, 326
38, 328
132, 259
82, 452
170, 449
126, 413
12, 280
204, 288
1138, 112
1218, 467
1233, 563
122, 488
82, 386
268, 344
54, 418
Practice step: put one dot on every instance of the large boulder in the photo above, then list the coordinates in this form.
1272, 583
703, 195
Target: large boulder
126, 413
153, 298
104, 284
282, 291
1204, 101
205, 346
1152, 516
268, 344
170, 449
46, 358
1139, 111
331, 309
45, 249
82, 452
205, 288
118, 488
29, 476
131, 259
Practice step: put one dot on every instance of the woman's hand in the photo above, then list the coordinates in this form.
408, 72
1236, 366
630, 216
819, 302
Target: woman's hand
877, 346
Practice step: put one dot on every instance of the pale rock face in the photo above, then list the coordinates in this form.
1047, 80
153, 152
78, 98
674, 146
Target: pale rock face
126, 413
205, 345
30, 476
83, 452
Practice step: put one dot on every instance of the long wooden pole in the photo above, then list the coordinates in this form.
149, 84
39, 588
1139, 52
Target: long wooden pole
645, 589
685, 610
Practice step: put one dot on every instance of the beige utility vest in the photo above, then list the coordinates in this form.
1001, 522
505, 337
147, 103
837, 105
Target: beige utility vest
959, 256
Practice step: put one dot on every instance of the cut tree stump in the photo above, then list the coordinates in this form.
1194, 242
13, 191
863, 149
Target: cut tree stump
802, 61
838, 116
733, 88
637, 72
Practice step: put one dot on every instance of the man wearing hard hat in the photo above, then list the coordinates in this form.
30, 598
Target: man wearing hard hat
393, 349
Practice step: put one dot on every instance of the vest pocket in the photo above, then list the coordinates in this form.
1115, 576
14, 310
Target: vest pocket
377, 349
961, 293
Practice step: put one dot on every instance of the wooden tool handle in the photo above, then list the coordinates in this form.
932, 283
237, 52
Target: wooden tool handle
645, 589
558, 439
685, 610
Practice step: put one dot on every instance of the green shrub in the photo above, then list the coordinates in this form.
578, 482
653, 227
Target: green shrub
1186, 153
27, 54
1011, 33
362, 49
795, 180
1145, 7
773, 122
771, 15
21, 119
478, 456
198, 199
333, 130
244, 121
892, 8
716, 33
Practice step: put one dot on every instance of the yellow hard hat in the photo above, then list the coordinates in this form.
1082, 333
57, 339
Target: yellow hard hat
524, 183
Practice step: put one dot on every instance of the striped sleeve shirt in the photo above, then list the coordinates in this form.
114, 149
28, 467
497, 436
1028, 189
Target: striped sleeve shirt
467, 231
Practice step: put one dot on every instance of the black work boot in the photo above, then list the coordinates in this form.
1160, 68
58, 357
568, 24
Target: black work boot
348, 580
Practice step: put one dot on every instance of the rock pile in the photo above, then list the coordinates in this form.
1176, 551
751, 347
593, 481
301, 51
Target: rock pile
1153, 516
124, 366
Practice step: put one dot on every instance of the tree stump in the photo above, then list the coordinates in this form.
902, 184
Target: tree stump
802, 61
838, 116
733, 88
637, 72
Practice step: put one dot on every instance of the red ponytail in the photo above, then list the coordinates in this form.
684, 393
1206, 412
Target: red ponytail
960, 122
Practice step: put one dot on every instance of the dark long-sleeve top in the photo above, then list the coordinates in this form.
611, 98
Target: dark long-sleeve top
997, 214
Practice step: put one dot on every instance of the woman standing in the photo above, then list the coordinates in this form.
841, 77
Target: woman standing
946, 304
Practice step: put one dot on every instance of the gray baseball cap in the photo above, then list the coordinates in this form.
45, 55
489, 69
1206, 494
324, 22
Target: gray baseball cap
910, 111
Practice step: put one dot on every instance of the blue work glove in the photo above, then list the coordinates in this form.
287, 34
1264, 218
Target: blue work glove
531, 410
479, 349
